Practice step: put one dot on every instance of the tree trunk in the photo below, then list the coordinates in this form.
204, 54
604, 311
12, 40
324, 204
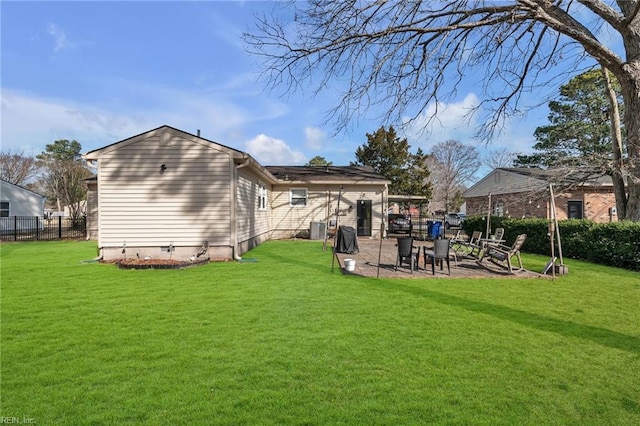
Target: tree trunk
617, 172
630, 85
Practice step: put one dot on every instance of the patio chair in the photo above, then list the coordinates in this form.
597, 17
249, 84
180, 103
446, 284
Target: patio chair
473, 245
407, 253
501, 255
492, 240
457, 244
440, 252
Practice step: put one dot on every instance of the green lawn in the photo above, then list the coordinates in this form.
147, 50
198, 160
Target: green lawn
283, 340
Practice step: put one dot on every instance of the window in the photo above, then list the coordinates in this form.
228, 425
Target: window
498, 209
4, 209
298, 197
262, 196
574, 209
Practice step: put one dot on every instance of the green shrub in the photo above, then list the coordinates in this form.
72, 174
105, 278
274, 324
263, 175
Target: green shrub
613, 244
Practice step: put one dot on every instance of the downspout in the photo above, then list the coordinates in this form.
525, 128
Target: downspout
93, 164
234, 204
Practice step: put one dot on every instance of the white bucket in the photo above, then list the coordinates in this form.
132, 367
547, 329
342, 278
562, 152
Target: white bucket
350, 265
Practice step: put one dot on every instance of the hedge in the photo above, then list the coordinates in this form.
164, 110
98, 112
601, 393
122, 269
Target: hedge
613, 244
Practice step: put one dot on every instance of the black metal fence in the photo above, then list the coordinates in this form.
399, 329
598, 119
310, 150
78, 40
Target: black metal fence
425, 227
34, 228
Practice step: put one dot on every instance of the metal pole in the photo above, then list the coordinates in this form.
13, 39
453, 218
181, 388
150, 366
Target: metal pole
555, 222
489, 218
380, 249
335, 236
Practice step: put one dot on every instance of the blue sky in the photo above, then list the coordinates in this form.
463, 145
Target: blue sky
100, 72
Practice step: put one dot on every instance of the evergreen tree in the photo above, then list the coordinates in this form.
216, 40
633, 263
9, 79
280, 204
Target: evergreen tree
579, 133
389, 155
319, 161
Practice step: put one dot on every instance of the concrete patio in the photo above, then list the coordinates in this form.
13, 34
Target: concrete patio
371, 249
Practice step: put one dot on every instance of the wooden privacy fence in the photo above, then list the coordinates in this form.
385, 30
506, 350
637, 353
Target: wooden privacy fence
35, 228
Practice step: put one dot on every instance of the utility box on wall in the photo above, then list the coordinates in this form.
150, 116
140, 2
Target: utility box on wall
317, 230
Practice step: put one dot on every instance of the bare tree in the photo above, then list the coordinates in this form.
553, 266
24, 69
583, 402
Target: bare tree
18, 168
66, 181
496, 158
453, 166
65, 175
404, 56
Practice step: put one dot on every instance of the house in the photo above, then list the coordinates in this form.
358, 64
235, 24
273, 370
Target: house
166, 192
16, 201
524, 193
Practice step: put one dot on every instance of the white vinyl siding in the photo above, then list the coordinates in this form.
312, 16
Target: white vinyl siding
186, 204
322, 201
252, 222
18, 201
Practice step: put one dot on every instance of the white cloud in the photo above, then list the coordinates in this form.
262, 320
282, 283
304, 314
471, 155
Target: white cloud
441, 122
30, 123
272, 151
61, 42
314, 138
460, 121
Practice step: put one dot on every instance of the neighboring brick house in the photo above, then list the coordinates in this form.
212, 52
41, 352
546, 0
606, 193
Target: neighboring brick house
524, 193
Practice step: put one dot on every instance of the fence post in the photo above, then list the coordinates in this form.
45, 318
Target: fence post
37, 228
15, 228
60, 227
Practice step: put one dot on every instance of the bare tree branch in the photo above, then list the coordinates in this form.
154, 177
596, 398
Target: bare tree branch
18, 168
405, 58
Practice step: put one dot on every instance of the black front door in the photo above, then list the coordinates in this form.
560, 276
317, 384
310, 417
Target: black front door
364, 218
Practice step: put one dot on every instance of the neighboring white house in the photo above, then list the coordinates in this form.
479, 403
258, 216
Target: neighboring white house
16, 201
164, 192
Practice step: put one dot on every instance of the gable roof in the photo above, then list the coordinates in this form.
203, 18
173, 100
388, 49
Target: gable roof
92, 155
562, 176
239, 157
506, 180
6, 182
327, 174
275, 174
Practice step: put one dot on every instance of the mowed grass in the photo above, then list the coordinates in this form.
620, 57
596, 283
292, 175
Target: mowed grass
283, 340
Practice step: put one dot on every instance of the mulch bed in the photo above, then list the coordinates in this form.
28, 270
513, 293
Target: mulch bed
135, 263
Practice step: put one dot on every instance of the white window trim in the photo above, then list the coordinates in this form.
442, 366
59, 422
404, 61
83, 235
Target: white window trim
262, 196
306, 197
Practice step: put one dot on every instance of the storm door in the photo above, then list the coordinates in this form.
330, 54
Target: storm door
364, 218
